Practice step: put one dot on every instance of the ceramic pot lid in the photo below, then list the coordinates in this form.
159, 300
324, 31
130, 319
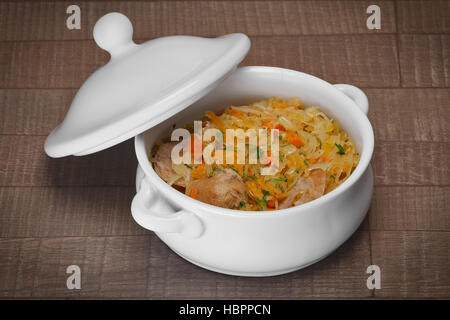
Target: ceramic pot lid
141, 86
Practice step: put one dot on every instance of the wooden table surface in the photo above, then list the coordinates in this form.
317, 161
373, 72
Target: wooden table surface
76, 211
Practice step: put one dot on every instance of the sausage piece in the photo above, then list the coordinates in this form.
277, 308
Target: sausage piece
310, 188
225, 189
164, 167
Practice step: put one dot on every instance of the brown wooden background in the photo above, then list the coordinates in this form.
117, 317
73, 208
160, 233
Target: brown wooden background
58, 212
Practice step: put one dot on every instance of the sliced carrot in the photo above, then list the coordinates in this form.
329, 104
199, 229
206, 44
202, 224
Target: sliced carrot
194, 193
280, 127
270, 203
294, 139
216, 120
237, 113
198, 171
239, 168
322, 158
283, 106
267, 123
255, 189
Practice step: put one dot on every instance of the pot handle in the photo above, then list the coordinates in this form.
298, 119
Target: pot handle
356, 94
152, 212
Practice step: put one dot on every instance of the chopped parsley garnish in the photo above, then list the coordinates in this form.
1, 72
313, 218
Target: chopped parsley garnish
188, 165
264, 202
283, 179
241, 204
304, 161
233, 168
213, 170
340, 148
333, 177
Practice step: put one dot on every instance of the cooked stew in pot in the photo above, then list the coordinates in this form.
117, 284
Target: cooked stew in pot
314, 156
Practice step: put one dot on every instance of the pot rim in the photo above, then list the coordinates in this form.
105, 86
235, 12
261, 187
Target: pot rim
364, 127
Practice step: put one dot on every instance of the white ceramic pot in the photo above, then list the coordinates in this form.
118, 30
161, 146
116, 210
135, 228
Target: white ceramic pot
268, 242
154, 85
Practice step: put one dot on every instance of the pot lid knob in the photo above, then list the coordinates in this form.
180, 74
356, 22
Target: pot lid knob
114, 33
142, 85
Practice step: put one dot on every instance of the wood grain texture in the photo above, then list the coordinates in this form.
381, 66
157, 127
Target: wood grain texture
76, 210
71, 211
55, 255
18, 263
425, 60
411, 163
126, 266
143, 267
413, 264
361, 60
343, 277
357, 59
410, 209
47, 20
110, 266
24, 163
395, 114
410, 114
105, 211
65, 64
423, 16
33, 112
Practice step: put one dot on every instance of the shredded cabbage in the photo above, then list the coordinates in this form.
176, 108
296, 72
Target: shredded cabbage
309, 140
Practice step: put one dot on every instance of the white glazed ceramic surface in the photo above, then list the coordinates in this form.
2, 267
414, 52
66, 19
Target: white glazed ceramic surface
142, 85
259, 243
